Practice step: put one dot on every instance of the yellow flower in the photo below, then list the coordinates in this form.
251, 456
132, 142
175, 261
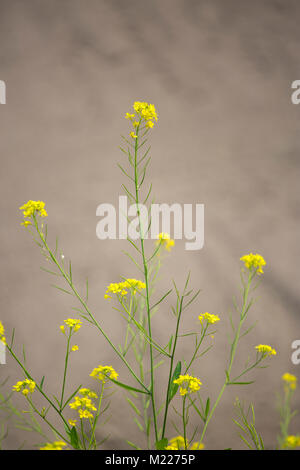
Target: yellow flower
84, 404
103, 372
291, 442
72, 422
209, 317
254, 262
145, 110
26, 223
62, 328
30, 209
56, 445
188, 384
178, 443
165, 240
266, 350
142, 112
86, 392
290, 380
85, 414
121, 288
197, 446
24, 386
133, 135
75, 347
73, 323
149, 124
2, 333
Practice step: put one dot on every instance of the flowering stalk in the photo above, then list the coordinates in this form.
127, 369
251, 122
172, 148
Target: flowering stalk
145, 265
254, 264
68, 279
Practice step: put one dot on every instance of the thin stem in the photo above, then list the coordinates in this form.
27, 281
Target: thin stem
65, 369
171, 368
46, 421
232, 354
69, 281
152, 392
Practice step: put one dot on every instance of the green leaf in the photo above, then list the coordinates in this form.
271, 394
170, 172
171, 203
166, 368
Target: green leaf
74, 438
42, 382
241, 383
207, 407
174, 387
128, 387
162, 444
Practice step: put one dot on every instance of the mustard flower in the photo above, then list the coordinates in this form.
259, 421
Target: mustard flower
290, 380
188, 384
142, 112
86, 392
266, 350
103, 372
254, 262
2, 333
83, 405
133, 135
178, 443
25, 386
165, 240
291, 442
73, 323
209, 317
56, 445
121, 288
74, 348
145, 111
30, 209
72, 422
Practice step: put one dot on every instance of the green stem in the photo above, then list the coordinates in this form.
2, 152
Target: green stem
96, 417
37, 386
171, 369
152, 391
232, 355
65, 369
70, 283
48, 422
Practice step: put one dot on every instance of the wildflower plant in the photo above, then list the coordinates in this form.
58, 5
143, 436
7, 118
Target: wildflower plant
140, 352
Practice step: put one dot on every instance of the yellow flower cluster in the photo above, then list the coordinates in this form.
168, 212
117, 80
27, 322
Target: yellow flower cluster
290, 380
56, 445
266, 350
165, 240
188, 384
144, 111
104, 372
254, 262
30, 208
25, 386
209, 317
291, 442
83, 404
2, 333
178, 443
73, 323
121, 288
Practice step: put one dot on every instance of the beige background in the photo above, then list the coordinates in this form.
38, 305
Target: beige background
220, 74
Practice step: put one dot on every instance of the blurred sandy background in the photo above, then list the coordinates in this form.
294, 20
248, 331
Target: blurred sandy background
220, 74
